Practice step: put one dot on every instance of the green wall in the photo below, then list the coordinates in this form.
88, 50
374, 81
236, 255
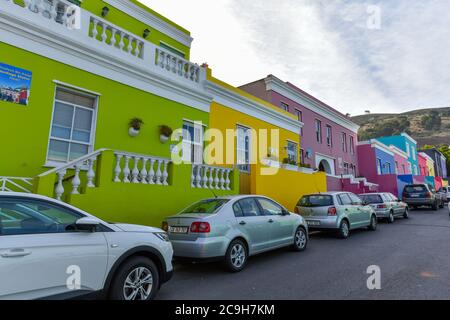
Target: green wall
25, 129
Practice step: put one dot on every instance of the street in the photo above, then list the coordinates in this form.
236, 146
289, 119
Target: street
413, 256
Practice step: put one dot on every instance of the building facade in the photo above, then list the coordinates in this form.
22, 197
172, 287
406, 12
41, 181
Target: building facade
407, 144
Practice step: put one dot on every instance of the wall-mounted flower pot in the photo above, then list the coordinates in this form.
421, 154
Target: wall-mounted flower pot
163, 138
133, 132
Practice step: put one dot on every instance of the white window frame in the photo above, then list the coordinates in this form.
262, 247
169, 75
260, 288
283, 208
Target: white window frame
299, 115
244, 167
352, 145
329, 135
344, 142
379, 166
190, 145
318, 130
94, 109
290, 142
284, 106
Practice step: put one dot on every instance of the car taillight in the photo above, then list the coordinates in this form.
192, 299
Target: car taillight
428, 195
200, 227
165, 226
296, 210
381, 206
332, 211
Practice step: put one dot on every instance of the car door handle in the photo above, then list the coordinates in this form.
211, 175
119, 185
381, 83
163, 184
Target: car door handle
15, 253
242, 223
270, 221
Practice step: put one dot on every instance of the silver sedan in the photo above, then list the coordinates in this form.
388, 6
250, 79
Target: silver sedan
234, 228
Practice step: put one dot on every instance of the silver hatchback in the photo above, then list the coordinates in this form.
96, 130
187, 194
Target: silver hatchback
339, 211
386, 205
234, 228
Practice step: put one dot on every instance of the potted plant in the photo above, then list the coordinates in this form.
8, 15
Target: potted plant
135, 125
164, 133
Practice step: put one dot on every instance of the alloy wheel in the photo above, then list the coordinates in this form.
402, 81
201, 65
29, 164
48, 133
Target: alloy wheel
345, 229
237, 255
138, 284
300, 239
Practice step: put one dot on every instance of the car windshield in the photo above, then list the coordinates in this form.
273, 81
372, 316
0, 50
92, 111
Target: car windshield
208, 206
316, 201
418, 188
371, 198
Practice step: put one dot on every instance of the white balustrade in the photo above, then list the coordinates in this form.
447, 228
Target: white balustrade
59, 11
177, 65
146, 169
210, 177
16, 184
116, 37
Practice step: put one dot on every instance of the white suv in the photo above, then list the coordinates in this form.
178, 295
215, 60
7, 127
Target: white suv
49, 249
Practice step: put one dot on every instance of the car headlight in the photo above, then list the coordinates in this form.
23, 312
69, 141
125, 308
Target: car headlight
162, 235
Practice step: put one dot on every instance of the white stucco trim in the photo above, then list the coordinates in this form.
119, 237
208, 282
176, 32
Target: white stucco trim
235, 101
377, 144
330, 160
398, 151
151, 20
277, 85
426, 156
404, 134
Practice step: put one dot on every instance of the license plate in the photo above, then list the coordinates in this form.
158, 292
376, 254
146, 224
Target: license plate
313, 223
178, 229
415, 195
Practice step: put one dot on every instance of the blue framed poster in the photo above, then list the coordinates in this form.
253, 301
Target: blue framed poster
14, 84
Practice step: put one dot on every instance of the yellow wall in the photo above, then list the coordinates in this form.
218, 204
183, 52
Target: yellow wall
285, 186
430, 166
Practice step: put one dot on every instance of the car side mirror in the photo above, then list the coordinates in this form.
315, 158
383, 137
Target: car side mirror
285, 212
87, 224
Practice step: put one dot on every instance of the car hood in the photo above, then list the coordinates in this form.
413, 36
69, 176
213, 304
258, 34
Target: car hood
136, 228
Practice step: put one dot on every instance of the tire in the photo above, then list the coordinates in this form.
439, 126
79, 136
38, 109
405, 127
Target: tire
373, 223
406, 213
442, 205
344, 230
434, 207
236, 256
390, 218
131, 274
300, 239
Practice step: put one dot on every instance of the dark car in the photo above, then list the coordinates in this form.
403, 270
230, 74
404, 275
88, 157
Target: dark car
416, 195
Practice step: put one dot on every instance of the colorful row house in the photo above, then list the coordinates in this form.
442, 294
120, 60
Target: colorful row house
109, 84
328, 137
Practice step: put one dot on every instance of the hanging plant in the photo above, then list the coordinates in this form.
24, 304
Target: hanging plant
135, 125
164, 133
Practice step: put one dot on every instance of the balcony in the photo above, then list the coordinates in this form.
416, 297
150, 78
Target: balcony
73, 26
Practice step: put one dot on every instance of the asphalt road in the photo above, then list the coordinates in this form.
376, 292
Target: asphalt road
413, 254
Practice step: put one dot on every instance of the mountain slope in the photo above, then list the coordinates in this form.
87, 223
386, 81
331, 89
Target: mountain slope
427, 126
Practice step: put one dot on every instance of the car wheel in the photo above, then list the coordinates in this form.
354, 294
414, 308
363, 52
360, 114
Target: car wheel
442, 205
406, 213
434, 207
300, 239
344, 230
136, 279
390, 218
373, 223
236, 256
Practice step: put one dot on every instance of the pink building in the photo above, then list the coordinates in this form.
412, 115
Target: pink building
423, 169
402, 165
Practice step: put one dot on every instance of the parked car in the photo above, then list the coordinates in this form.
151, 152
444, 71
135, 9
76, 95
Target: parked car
416, 195
386, 205
234, 228
49, 250
445, 191
339, 211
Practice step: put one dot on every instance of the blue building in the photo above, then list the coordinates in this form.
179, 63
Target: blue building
407, 144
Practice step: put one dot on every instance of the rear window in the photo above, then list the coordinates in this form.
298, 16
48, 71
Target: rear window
371, 198
209, 206
418, 188
316, 201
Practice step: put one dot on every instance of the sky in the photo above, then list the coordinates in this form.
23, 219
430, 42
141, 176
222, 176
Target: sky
383, 56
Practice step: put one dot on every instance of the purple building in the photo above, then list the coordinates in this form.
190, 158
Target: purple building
328, 138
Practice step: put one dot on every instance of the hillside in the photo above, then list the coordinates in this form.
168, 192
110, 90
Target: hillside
427, 126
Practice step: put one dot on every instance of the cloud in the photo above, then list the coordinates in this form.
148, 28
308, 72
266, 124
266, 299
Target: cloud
326, 48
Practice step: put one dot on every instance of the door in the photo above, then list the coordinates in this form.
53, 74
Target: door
360, 212
281, 225
40, 253
393, 201
253, 224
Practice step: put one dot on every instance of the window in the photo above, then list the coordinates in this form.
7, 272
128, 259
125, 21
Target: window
208, 206
313, 201
249, 207
243, 148
270, 208
379, 166
346, 168
396, 167
172, 49
407, 149
319, 131
284, 106
292, 151
371, 198
344, 141
329, 136
192, 142
345, 199
388, 168
352, 145
355, 199
410, 167
34, 217
302, 156
404, 169
299, 115
415, 170
71, 134
413, 151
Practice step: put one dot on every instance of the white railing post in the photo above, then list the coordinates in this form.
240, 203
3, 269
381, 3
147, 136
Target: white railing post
135, 172
158, 172
91, 173
205, 177
227, 180
165, 174
151, 173
126, 170
59, 190
198, 177
193, 184
76, 179
118, 169
143, 173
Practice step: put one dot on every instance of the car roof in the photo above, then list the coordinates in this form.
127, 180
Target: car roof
329, 193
